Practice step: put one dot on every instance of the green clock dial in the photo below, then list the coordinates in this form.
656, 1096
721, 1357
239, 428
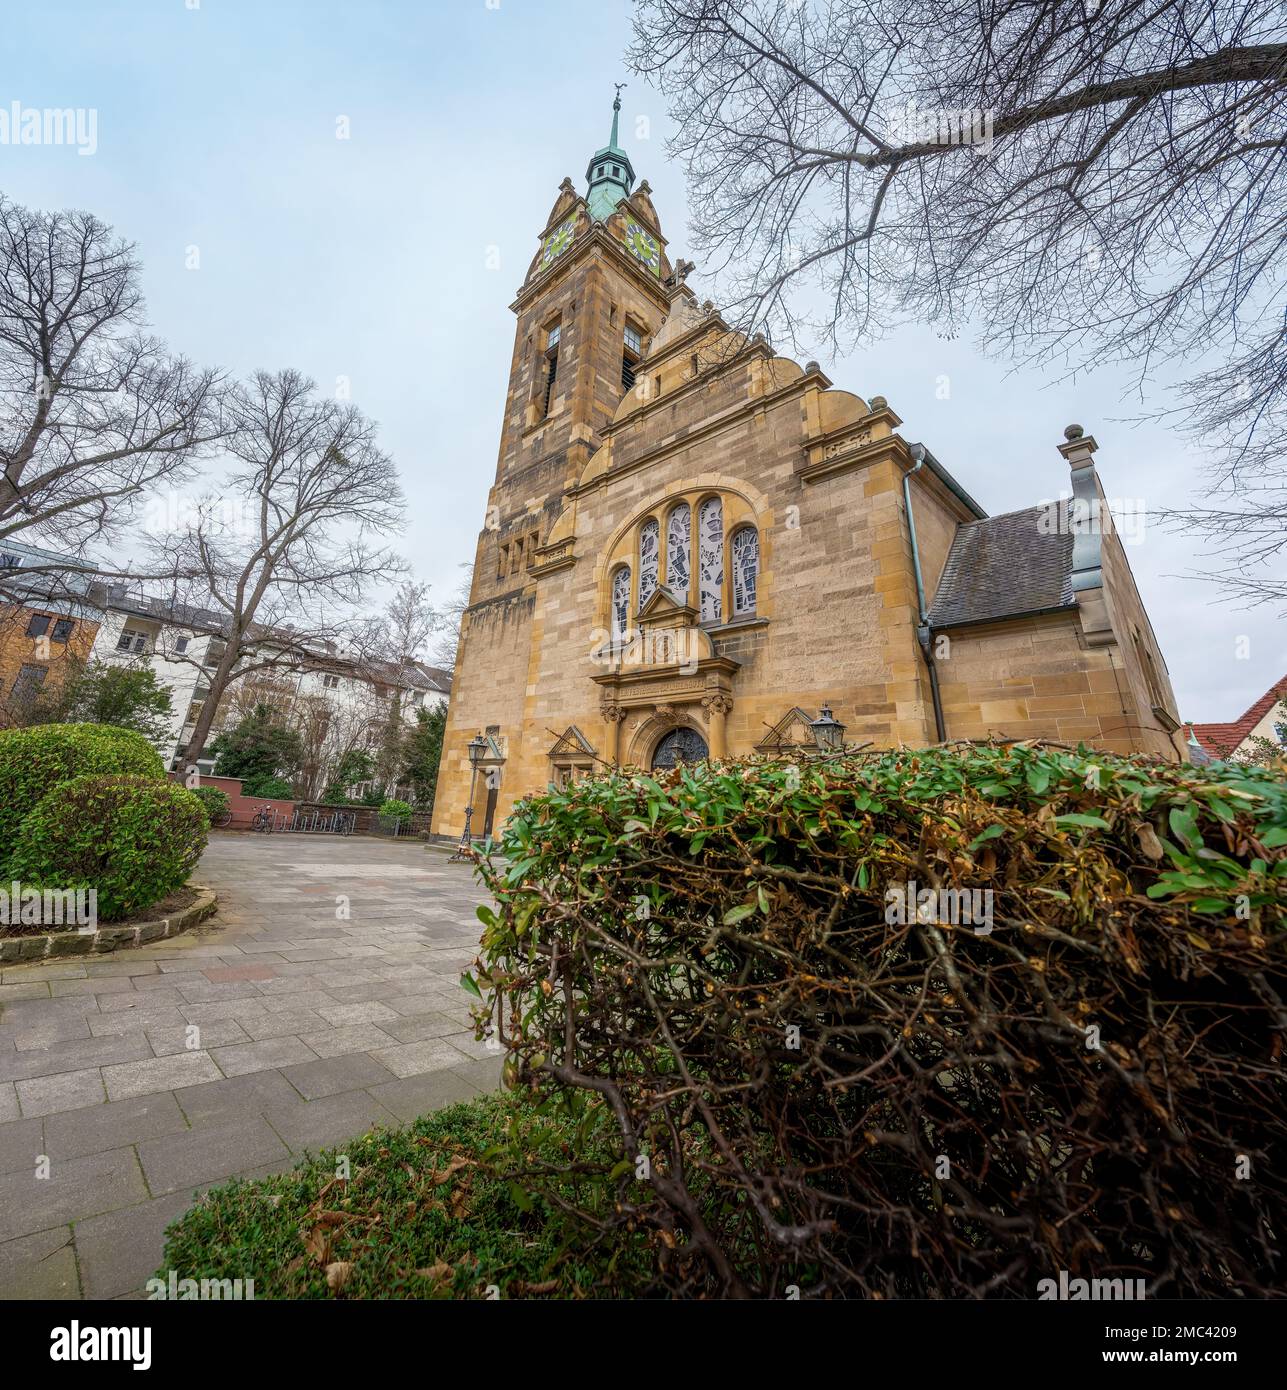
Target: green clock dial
641, 244
557, 242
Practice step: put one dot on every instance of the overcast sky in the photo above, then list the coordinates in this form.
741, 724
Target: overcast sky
371, 258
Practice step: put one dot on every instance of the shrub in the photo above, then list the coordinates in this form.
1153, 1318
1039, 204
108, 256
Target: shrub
214, 799
428, 1212
35, 760
811, 1087
394, 809
273, 788
133, 839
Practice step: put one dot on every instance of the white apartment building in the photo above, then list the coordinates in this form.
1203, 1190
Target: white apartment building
335, 697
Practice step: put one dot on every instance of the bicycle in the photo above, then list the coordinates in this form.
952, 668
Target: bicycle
262, 820
223, 818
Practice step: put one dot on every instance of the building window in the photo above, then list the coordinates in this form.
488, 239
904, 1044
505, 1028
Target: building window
551, 367
27, 684
330, 682
649, 558
39, 624
180, 645
634, 339
533, 541
9, 561
62, 630
620, 603
678, 535
502, 566
710, 559
135, 641
616, 171
746, 568
632, 350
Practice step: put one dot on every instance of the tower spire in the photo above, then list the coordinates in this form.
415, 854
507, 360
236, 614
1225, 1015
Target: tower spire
609, 172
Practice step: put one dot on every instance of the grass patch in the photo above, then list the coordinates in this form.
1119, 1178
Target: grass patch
428, 1211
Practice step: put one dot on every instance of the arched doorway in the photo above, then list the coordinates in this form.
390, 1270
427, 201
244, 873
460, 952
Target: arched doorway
679, 746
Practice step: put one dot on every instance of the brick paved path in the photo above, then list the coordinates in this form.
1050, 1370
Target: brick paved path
311, 1030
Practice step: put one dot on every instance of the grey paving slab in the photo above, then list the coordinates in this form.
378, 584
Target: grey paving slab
196, 1037
357, 1037
416, 1095
181, 1162
8, 1101
261, 1056
159, 1074
121, 1250
331, 1075
72, 1133
75, 1188
64, 1090
408, 1059
328, 1121
40, 1266
217, 1102
21, 1143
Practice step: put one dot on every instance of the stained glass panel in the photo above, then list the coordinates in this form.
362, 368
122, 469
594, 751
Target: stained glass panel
620, 603
746, 567
649, 559
678, 535
710, 559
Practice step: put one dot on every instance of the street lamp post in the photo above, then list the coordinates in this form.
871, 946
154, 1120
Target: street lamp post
477, 749
828, 732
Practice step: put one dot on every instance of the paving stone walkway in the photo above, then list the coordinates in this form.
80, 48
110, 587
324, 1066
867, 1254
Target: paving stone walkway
131, 1082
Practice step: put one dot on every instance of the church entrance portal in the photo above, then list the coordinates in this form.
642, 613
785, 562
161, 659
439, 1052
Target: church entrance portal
679, 746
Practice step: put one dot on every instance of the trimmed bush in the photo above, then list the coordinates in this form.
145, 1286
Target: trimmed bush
35, 760
271, 788
823, 1066
133, 839
393, 809
214, 799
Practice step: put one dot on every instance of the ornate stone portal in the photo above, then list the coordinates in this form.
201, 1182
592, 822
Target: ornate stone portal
664, 677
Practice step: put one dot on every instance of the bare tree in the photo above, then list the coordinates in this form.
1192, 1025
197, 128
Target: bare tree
450, 618
1084, 182
283, 576
93, 412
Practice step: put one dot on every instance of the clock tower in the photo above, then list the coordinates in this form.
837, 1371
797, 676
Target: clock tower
593, 296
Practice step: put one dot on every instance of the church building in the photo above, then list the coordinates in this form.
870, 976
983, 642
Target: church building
695, 548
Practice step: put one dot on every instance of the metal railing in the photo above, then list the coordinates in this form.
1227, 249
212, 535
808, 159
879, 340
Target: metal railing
309, 823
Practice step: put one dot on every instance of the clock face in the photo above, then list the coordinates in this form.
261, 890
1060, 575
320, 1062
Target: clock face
557, 242
644, 246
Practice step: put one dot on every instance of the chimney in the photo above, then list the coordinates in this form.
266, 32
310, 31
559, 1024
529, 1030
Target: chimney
1087, 513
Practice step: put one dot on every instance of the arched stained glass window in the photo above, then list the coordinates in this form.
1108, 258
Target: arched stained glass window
620, 603
746, 568
710, 559
649, 559
678, 536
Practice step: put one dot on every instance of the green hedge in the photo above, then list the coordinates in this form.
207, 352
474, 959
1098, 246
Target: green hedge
393, 809
214, 799
133, 839
807, 1086
35, 760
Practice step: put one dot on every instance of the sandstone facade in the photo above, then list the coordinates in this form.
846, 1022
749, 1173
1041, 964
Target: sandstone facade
592, 637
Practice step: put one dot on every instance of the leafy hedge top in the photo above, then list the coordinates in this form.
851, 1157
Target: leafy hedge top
132, 839
1201, 828
810, 1088
36, 759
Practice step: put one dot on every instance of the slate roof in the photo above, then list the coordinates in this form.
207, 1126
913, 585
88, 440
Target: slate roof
1220, 740
1005, 566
